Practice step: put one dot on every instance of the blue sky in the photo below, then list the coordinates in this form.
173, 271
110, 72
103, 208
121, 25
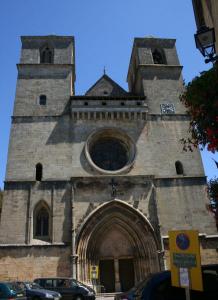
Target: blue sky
104, 31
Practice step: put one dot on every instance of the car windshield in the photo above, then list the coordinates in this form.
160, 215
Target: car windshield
14, 287
136, 287
76, 282
142, 284
33, 285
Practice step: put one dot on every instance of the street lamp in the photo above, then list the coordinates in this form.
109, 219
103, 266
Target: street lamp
205, 42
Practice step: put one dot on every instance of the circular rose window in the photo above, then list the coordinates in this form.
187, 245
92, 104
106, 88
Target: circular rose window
110, 151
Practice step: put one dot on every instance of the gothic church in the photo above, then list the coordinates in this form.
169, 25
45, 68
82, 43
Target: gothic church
99, 179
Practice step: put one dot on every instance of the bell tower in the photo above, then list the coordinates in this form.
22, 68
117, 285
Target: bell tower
46, 75
155, 71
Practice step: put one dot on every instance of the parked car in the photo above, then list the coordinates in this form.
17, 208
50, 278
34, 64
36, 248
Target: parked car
36, 292
10, 290
68, 288
131, 294
158, 287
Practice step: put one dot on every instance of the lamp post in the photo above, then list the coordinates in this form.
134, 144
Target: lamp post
205, 42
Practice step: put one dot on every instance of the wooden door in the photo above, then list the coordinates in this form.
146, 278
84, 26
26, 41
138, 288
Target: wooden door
126, 273
107, 275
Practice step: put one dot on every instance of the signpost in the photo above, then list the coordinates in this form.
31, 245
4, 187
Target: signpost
184, 277
185, 260
94, 272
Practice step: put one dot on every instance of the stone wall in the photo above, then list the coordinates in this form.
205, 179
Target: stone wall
18, 210
46, 141
62, 45
145, 46
162, 87
28, 263
54, 81
58, 144
182, 205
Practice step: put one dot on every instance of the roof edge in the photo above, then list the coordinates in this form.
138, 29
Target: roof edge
46, 37
127, 97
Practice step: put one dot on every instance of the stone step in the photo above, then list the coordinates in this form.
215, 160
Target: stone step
105, 295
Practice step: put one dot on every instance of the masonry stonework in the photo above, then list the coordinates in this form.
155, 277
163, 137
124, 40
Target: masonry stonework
108, 188
27, 263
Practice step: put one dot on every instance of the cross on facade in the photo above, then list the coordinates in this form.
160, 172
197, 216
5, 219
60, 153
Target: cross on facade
113, 188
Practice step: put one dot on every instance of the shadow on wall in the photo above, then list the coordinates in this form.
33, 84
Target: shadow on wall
153, 213
66, 227
68, 131
62, 132
61, 228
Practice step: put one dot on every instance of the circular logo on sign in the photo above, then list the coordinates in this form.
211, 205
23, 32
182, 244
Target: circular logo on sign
182, 241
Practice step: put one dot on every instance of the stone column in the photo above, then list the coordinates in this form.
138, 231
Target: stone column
28, 217
73, 250
52, 233
74, 266
117, 275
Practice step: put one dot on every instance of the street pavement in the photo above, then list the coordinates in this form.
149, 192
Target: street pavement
104, 297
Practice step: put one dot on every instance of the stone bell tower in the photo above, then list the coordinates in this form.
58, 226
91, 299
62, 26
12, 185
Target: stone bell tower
155, 72
46, 68
36, 217
180, 183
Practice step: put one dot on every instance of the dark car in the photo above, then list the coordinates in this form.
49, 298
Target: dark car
36, 292
68, 288
158, 287
10, 290
131, 294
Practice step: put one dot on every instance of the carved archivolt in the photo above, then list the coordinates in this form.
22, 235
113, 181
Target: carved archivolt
130, 233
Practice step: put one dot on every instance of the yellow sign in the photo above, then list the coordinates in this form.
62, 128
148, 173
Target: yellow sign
185, 259
94, 272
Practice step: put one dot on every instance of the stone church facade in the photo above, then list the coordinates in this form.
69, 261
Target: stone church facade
99, 179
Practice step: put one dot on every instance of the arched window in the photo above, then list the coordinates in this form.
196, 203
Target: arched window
41, 221
39, 170
42, 100
158, 57
179, 168
46, 55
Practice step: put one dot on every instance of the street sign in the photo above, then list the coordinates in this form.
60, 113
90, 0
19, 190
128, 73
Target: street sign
185, 259
182, 260
94, 272
184, 277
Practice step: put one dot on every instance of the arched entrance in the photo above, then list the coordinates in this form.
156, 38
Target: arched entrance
121, 241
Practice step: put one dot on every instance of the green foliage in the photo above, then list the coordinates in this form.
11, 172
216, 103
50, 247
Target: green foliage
201, 101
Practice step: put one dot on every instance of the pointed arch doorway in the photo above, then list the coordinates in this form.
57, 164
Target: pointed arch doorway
121, 241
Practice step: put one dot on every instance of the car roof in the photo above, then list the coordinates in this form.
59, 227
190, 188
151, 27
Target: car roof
24, 281
7, 282
39, 278
210, 266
